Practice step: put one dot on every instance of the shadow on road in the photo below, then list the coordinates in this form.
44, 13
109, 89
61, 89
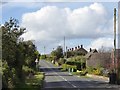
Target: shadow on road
79, 85
44, 69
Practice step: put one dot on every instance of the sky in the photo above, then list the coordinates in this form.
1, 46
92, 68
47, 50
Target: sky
47, 23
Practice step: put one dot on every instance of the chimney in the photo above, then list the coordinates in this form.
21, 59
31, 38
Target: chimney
72, 49
81, 46
75, 48
78, 46
90, 49
67, 49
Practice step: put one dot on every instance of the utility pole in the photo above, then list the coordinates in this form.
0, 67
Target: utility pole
66, 51
64, 48
44, 50
115, 63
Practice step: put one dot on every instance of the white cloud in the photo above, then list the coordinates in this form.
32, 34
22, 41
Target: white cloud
53, 23
106, 42
19, 0
61, 0
50, 24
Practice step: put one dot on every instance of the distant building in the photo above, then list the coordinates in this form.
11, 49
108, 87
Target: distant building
80, 51
90, 53
96, 59
76, 51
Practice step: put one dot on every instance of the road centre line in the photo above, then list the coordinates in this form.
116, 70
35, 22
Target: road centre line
51, 69
61, 76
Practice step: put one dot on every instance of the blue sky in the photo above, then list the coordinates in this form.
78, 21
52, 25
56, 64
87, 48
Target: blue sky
71, 23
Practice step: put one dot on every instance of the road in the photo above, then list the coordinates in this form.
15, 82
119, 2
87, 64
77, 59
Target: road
58, 80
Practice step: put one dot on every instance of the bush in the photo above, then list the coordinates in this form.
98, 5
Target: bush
36, 81
90, 70
27, 70
66, 67
61, 61
83, 72
75, 63
96, 71
43, 57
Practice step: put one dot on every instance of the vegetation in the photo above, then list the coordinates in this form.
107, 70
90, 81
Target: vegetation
97, 71
33, 83
56, 54
19, 56
76, 64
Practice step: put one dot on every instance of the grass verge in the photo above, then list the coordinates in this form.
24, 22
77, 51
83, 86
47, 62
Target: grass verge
33, 83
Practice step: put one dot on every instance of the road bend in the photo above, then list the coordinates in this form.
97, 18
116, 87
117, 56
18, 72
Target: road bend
58, 80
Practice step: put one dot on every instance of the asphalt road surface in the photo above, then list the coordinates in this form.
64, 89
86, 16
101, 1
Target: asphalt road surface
58, 80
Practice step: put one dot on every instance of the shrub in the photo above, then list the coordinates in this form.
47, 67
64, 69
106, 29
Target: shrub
97, 72
61, 61
83, 72
64, 67
90, 70
27, 70
75, 63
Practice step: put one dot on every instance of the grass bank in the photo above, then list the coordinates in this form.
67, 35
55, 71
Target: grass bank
34, 82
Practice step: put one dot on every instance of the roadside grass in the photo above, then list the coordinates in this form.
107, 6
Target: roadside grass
33, 83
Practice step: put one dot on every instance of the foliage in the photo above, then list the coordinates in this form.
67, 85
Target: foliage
90, 69
16, 53
96, 71
61, 61
36, 80
27, 70
66, 67
58, 53
34, 83
83, 72
70, 54
43, 57
78, 64
82, 59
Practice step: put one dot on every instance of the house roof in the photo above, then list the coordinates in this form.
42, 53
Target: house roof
91, 52
82, 50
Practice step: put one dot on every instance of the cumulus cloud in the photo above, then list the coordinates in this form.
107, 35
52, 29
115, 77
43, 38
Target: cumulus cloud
52, 23
61, 0
106, 42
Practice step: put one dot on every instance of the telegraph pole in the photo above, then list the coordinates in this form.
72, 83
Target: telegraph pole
44, 50
115, 39
64, 47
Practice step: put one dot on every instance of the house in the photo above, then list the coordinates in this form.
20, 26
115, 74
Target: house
89, 54
76, 51
80, 51
96, 59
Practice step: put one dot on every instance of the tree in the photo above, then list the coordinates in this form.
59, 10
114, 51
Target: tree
58, 53
11, 50
16, 52
10, 38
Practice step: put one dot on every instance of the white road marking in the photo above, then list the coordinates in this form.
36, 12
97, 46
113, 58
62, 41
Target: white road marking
60, 76
67, 81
